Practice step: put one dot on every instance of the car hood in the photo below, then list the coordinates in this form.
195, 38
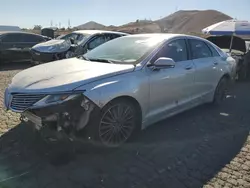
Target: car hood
63, 75
224, 42
52, 46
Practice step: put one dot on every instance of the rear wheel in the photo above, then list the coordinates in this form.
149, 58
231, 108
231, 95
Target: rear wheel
116, 123
221, 91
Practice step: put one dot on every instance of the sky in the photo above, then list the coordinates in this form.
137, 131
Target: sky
27, 13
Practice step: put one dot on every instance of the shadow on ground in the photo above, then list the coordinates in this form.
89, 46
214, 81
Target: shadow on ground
183, 151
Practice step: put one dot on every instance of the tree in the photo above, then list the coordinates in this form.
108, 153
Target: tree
37, 27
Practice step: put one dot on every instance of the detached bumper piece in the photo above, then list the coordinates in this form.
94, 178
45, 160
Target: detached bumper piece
68, 118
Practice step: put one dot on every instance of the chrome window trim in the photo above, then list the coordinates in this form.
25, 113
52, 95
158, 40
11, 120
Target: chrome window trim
147, 60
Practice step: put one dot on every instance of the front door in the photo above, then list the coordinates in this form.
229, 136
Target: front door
171, 88
27, 42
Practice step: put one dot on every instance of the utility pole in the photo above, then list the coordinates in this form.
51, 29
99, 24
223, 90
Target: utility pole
51, 23
69, 26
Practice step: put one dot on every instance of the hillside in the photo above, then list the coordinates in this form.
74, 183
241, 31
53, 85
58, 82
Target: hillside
183, 21
190, 21
91, 25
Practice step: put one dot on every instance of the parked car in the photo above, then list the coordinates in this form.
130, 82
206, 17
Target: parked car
15, 46
248, 45
122, 86
71, 45
239, 53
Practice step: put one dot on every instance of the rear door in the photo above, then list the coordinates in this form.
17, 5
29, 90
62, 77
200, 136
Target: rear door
10, 47
207, 71
27, 42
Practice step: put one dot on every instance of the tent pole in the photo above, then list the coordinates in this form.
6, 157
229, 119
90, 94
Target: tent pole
231, 43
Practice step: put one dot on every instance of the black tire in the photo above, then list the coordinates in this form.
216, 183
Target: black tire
107, 130
221, 91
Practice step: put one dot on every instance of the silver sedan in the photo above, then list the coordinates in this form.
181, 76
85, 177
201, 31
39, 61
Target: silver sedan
122, 86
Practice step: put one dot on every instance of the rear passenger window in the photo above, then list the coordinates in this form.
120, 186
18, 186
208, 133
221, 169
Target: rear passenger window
199, 49
213, 50
15, 37
98, 40
114, 36
32, 38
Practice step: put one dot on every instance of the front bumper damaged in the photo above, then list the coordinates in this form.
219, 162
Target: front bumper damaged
69, 117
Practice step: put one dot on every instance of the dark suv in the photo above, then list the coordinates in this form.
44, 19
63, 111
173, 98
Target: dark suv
15, 46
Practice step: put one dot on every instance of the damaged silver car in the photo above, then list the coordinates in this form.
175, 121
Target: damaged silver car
122, 86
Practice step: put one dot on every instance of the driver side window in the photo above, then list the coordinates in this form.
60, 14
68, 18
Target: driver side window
96, 41
176, 50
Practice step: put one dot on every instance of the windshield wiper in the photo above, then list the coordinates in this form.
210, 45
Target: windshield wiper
101, 60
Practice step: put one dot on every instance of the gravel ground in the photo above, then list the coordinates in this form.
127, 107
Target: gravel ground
204, 147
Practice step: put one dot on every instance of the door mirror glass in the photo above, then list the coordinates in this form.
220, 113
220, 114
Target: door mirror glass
164, 62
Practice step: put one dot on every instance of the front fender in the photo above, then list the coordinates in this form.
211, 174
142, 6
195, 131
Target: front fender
134, 84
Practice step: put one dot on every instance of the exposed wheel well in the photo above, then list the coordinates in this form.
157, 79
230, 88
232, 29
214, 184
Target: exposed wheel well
227, 76
134, 101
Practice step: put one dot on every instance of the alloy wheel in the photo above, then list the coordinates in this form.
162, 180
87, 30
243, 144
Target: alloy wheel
117, 124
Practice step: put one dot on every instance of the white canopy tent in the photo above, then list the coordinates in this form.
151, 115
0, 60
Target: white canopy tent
229, 27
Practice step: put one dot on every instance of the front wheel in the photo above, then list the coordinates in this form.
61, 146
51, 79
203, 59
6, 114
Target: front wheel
117, 122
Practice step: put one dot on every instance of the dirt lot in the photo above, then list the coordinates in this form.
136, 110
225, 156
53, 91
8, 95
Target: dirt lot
207, 146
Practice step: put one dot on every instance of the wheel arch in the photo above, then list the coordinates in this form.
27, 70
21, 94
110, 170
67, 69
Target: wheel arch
226, 75
131, 99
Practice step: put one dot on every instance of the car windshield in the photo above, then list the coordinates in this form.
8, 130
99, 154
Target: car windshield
76, 36
124, 50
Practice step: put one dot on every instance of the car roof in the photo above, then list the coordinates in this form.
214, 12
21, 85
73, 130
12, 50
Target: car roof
18, 32
164, 36
92, 32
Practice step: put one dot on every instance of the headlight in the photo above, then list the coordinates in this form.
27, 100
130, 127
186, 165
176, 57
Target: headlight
51, 48
56, 99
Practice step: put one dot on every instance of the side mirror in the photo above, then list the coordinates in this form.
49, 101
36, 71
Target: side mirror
163, 63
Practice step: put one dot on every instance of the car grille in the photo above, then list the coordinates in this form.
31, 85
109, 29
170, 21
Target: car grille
21, 102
